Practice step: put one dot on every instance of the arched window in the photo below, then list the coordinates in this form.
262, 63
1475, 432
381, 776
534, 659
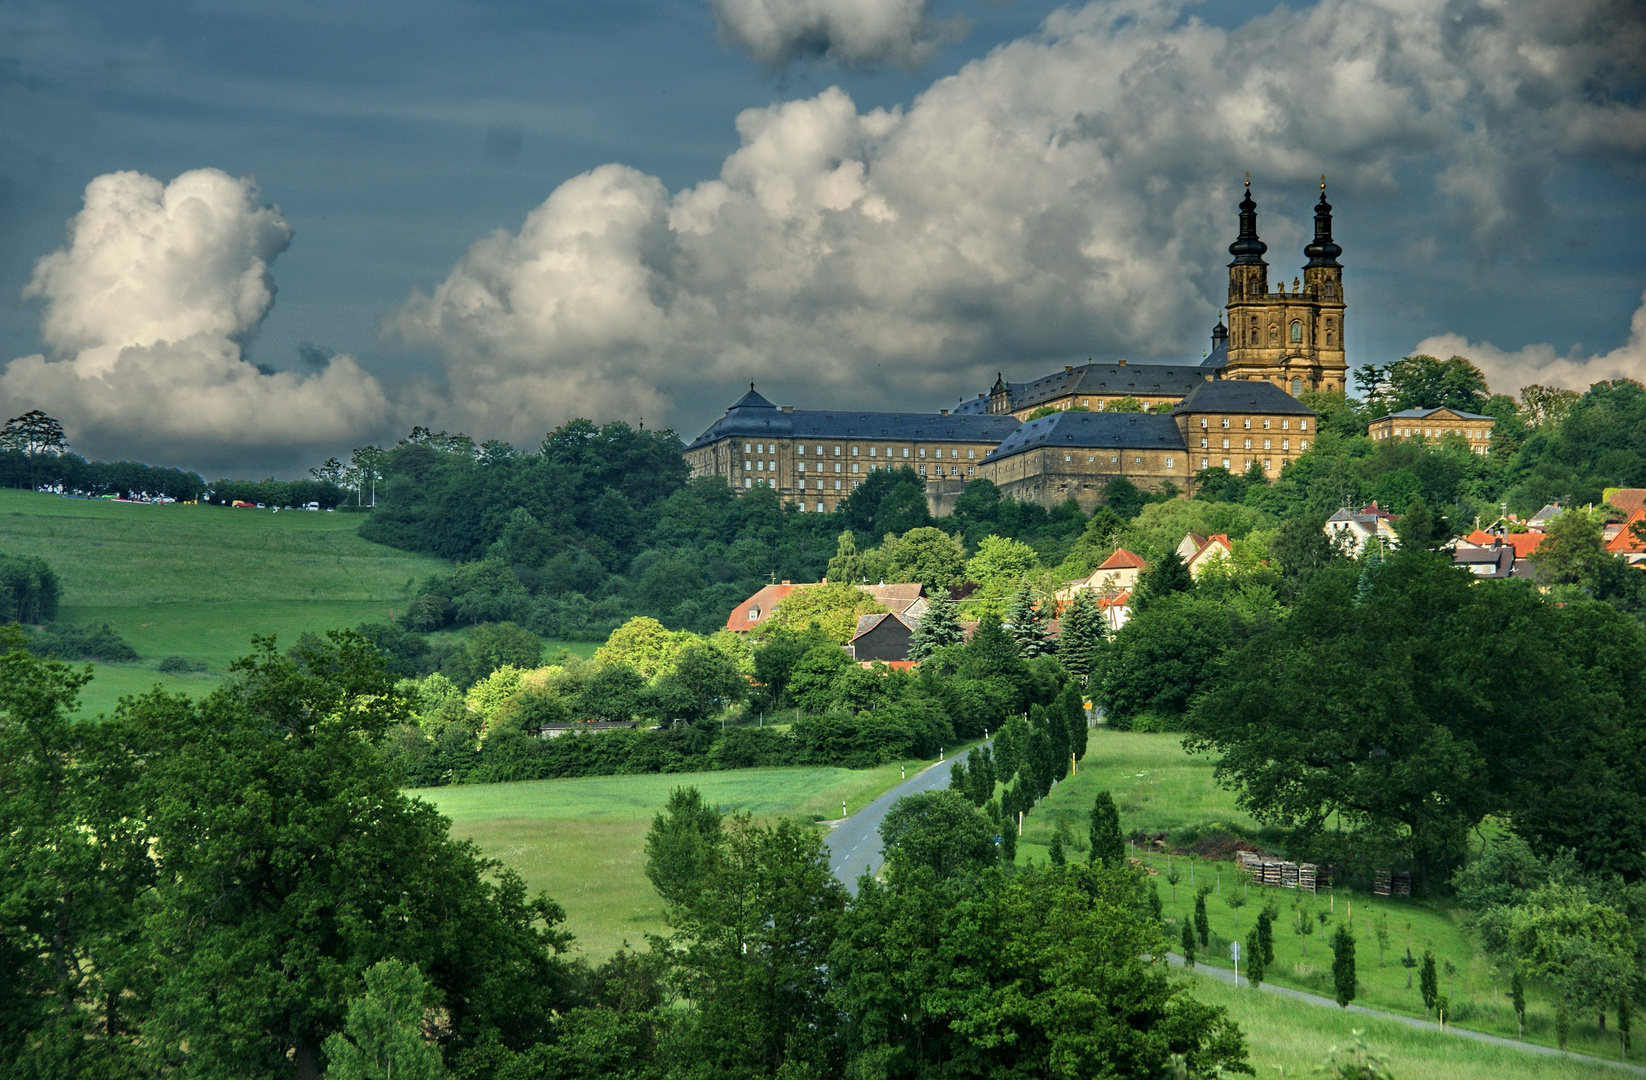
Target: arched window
1331, 290
1297, 387
1297, 330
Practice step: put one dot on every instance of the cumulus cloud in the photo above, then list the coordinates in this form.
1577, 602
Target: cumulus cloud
1508, 372
1069, 194
147, 309
851, 32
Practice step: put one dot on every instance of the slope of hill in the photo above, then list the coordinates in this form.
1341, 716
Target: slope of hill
199, 581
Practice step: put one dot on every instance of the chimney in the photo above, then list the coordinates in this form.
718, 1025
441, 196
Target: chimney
1123, 363
1068, 367
943, 412
786, 581
788, 408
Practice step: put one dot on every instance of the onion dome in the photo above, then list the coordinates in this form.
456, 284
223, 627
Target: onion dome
1248, 249
1323, 252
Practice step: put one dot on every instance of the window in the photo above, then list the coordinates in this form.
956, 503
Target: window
970, 454
1066, 457
820, 451
1303, 425
837, 466
922, 452
800, 466
1268, 464
1203, 463
1114, 459
871, 451
1203, 444
1085, 404
1225, 444
819, 508
922, 470
1248, 445
748, 483
1168, 461
1225, 463
1297, 387
1225, 421
1304, 445
1331, 290
970, 471
1265, 444
1202, 423
1137, 461
801, 450
837, 451
940, 451
748, 448
1297, 330
1285, 425
1285, 444
854, 468
1265, 423
748, 466
1247, 423
854, 451
905, 451
754, 614
837, 485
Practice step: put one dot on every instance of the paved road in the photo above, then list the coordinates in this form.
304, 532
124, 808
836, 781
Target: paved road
1226, 976
854, 844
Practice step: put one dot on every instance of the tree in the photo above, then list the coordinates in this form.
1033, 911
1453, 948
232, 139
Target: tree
683, 845
1517, 998
926, 555
366, 465
1266, 932
1428, 982
1025, 623
1055, 852
1108, 845
1421, 527
1202, 924
330, 471
645, 645
1541, 405
1167, 576
938, 628
383, 1037
1163, 656
1256, 965
1343, 965
847, 567
834, 608
704, 682
1186, 941
33, 433
1573, 548
1079, 636
1424, 382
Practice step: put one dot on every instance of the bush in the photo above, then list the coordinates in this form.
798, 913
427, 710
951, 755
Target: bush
82, 643
181, 665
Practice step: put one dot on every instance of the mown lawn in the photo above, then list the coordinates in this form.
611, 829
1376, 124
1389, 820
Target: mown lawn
583, 840
1159, 788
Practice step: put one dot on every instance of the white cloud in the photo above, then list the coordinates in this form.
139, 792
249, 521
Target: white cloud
1508, 372
147, 307
1069, 194
850, 32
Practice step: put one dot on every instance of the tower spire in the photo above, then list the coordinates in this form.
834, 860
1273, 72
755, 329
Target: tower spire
1323, 251
1247, 248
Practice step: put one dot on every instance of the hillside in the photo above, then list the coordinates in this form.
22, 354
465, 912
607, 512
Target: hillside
199, 581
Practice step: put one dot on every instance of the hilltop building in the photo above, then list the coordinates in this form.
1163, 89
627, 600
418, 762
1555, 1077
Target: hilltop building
1235, 409
1434, 424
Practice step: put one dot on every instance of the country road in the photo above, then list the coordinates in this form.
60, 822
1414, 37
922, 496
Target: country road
854, 844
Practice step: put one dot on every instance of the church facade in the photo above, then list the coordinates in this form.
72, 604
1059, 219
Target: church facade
1236, 408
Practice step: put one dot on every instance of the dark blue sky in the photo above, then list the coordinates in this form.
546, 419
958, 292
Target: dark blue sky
393, 137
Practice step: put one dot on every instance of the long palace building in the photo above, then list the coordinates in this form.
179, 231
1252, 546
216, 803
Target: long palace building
1235, 407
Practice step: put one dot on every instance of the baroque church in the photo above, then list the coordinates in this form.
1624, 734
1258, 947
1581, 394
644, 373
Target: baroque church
1235, 409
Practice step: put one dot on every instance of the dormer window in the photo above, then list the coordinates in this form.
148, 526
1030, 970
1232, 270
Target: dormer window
754, 614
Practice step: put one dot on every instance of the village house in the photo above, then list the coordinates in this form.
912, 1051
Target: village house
902, 598
1212, 549
1352, 530
1434, 424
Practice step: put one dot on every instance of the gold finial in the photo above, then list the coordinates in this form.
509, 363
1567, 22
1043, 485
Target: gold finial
1322, 183
1248, 179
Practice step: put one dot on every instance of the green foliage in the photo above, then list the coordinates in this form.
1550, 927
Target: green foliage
1108, 845
29, 589
1428, 982
382, 1038
180, 665
1165, 653
848, 567
1256, 963
1026, 624
834, 609
1001, 564
1343, 965
926, 555
683, 846
1424, 382
88, 642
939, 831
1202, 924
939, 628
1186, 941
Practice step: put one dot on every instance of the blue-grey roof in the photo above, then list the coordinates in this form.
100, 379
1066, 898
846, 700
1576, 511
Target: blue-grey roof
754, 416
1088, 430
1420, 414
1241, 396
1108, 380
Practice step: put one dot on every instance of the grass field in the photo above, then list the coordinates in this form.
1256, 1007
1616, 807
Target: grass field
199, 581
1285, 1038
582, 840
1159, 788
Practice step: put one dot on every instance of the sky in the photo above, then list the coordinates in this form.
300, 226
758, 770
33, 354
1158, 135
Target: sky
243, 238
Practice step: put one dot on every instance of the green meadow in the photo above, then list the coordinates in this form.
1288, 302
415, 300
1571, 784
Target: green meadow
583, 841
1159, 788
200, 581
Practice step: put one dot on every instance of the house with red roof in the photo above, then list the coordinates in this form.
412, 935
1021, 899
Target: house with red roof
1629, 544
1118, 573
759, 607
1213, 549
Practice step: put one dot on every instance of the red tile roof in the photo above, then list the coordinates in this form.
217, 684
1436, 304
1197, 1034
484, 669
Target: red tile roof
1524, 543
1123, 560
1628, 500
765, 601
1624, 543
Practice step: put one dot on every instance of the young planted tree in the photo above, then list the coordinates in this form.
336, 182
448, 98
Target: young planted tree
1173, 876
1236, 901
1186, 939
1108, 846
1202, 924
1056, 850
1256, 965
1428, 983
1266, 932
1156, 908
1343, 965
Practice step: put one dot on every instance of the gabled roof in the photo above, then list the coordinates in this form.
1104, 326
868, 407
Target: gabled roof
866, 623
1624, 543
1122, 379
766, 599
1545, 515
1089, 430
1124, 560
1424, 414
1241, 396
1628, 500
1523, 543
1119, 599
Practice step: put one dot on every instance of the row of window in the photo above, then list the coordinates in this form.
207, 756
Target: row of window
1285, 444
1285, 423
1268, 464
874, 451
1433, 433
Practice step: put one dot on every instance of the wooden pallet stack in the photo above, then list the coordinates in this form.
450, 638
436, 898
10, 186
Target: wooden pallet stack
1402, 884
1381, 878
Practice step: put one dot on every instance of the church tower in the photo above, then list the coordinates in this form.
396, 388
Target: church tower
1294, 338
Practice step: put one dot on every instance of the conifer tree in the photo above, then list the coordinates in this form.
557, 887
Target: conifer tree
1164, 578
1371, 563
1108, 846
1188, 943
939, 626
1056, 851
1203, 924
1080, 632
1256, 968
1266, 933
1343, 965
1428, 982
1026, 624
1074, 720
